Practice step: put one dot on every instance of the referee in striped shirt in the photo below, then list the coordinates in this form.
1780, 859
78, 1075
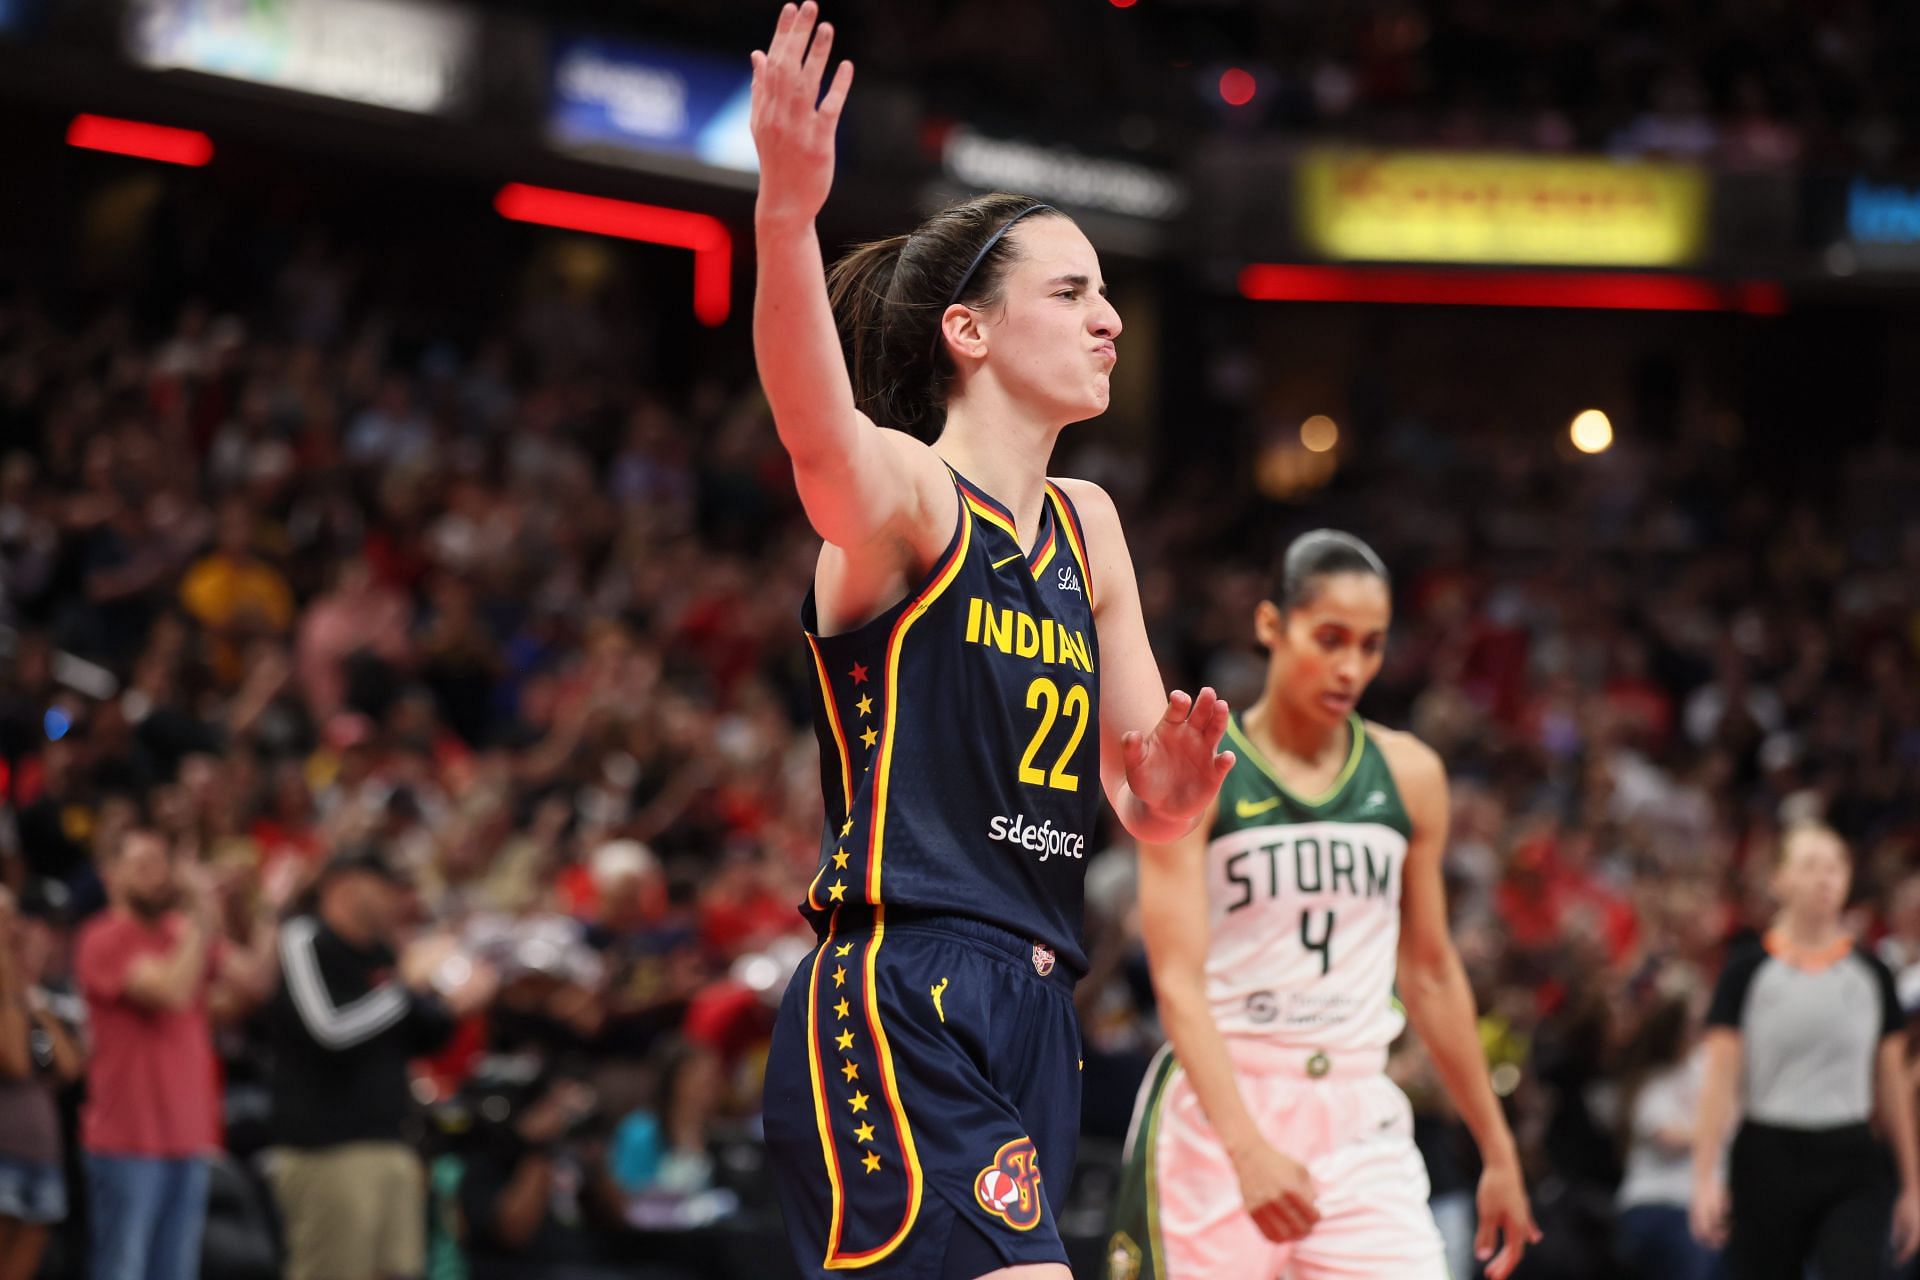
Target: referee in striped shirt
348, 1015
1806, 1039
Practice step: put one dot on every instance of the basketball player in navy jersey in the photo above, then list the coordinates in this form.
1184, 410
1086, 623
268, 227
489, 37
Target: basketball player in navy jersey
983, 673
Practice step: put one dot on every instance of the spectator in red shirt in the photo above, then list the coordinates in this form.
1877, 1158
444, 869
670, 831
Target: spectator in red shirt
146, 966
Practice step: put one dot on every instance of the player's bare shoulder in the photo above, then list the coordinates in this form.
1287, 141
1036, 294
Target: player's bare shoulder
1417, 770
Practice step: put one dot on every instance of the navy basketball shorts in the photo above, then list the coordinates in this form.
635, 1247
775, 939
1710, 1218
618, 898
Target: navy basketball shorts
923, 1100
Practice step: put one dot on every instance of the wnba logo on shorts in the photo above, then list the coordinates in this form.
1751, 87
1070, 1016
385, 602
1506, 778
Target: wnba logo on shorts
1009, 1188
1042, 959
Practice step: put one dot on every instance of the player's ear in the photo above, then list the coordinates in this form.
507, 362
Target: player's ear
962, 331
1269, 625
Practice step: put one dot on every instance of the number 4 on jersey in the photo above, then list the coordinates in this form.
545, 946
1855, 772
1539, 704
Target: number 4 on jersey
1324, 944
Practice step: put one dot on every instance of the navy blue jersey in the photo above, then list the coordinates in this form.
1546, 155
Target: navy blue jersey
960, 736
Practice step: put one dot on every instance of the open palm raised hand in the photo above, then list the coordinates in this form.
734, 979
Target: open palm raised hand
792, 124
1175, 769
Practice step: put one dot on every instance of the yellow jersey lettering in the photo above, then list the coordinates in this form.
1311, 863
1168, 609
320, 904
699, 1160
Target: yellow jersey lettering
1026, 636
999, 634
1021, 635
1081, 657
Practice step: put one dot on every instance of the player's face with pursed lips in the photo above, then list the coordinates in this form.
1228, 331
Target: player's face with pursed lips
1051, 339
1332, 645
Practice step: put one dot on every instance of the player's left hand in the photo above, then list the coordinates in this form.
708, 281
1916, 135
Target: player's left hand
1506, 1221
1906, 1224
1176, 770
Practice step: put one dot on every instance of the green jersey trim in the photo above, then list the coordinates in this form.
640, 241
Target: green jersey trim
1357, 731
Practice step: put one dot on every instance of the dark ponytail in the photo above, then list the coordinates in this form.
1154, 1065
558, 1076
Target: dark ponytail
888, 297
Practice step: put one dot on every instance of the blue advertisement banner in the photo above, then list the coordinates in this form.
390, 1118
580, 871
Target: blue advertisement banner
647, 98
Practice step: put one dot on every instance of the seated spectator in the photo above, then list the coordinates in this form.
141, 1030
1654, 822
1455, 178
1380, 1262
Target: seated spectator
1661, 1072
533, 1188
666, 1151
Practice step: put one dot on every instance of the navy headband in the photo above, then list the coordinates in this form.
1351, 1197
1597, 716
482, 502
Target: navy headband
966, 277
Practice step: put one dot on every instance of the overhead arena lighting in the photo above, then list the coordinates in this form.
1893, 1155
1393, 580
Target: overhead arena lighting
1575, 290
706, 235
137, 138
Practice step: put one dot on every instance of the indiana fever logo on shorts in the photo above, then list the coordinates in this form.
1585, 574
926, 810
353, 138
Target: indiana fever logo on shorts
1009, 1188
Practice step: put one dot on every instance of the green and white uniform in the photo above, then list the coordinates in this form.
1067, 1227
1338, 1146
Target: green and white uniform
1303, 908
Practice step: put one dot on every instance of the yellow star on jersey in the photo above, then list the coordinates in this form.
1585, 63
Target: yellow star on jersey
840, 1010
863, 1134
865, 704
858, 1102
840, 860
848, 827
844, 1041
837, 890
872, 1162
851, 1071
842, 949
868, 738
840, 976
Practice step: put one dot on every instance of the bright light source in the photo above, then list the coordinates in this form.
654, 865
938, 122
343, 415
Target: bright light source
141, 140
1237, 87
1319, 433
1591, 431
1122, 4
706, 235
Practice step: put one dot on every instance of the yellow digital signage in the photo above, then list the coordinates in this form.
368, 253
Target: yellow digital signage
1428, 206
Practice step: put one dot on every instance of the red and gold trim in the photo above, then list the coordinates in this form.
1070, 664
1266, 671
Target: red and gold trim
840, 750
991, 512
1043, 555
893, 1156
1068, 521
936, 586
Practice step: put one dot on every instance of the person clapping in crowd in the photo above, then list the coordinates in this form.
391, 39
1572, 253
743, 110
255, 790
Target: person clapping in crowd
150, 966
353, 1006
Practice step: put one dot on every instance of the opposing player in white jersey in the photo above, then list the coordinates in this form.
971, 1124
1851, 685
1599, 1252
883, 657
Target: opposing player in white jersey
1268, 1140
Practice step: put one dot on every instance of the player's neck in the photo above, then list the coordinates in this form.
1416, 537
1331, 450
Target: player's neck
991, 442
1807, 933
1293, 736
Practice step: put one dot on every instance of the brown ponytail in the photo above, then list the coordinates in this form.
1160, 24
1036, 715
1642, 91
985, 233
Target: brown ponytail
888, 297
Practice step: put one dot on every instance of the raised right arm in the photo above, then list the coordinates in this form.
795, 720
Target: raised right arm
856, 481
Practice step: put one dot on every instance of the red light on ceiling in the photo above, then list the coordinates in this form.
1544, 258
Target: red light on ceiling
136, 138
1237, 87
1594, 290
1122, 4
707, 236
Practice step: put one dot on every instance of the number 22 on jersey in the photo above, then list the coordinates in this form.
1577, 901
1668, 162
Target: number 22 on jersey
1044, 696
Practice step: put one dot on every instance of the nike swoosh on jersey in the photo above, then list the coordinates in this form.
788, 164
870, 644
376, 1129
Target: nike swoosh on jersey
1253, 809
1018, 555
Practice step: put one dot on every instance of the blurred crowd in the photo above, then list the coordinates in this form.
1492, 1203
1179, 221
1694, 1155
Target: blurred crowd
1748, 86
479, 657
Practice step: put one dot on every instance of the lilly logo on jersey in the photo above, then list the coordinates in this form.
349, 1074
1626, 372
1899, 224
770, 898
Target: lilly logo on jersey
1068, 579
1045, 839
1009, 1188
